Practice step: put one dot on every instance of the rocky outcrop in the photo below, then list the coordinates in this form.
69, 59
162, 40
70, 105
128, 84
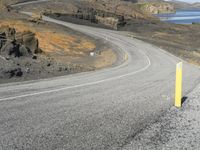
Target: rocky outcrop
110, 13
108, 21
133, 9
95, 16
29, 41
11, 72
16, 48
36, 18
119, 7
157, 7
14, 44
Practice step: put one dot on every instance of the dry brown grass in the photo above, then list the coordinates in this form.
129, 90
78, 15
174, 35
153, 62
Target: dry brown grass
107, 58
63, 46
52, 42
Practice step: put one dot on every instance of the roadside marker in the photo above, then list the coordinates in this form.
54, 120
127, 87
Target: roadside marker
178, 88
126, 57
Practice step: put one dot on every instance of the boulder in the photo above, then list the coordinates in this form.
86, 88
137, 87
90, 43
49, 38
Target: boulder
24, 51
11, 49
14, 44
8, 32
30, 42
12, 72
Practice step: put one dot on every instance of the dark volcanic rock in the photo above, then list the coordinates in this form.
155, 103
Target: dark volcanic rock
17, 45
16, 51
30, 42
14, 72
2, 39
7, 32
11, 49
100, 17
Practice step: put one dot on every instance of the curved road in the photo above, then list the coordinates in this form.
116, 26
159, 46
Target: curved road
104, 109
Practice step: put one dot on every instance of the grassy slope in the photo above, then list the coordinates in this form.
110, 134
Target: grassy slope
181, 40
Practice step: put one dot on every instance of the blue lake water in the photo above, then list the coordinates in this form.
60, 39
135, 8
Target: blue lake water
182, 17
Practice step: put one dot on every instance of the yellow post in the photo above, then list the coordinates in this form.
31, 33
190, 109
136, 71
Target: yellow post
178, 91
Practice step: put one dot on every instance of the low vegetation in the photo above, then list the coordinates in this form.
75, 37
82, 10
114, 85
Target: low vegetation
180, 40
30, 51
68, 51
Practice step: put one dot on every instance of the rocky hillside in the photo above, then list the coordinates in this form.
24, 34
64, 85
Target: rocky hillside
111, 14
157, 7
197, 5
33, 50
184, 5
13, 44
154, 6
119, 7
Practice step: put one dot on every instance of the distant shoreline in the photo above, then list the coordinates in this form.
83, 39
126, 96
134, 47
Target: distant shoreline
182, 16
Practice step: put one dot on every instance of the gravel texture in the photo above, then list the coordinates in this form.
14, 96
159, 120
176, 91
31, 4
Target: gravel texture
177, 129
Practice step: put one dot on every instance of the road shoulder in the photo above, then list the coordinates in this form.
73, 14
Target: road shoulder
176, 129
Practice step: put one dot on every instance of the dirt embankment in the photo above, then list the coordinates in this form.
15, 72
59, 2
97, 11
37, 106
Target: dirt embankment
33, 51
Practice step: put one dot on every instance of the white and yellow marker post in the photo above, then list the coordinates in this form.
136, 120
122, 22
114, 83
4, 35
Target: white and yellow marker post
178, 88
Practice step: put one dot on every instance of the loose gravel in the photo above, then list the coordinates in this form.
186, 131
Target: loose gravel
177, 129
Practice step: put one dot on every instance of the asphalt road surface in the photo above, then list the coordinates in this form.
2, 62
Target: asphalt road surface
28, 2
103, 109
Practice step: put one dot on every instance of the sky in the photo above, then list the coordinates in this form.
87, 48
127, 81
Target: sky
189, 1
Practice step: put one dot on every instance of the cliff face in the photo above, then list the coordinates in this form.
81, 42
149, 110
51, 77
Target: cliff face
119, 7
91, 15
13, 44
108, 21
157, 7
112, 13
